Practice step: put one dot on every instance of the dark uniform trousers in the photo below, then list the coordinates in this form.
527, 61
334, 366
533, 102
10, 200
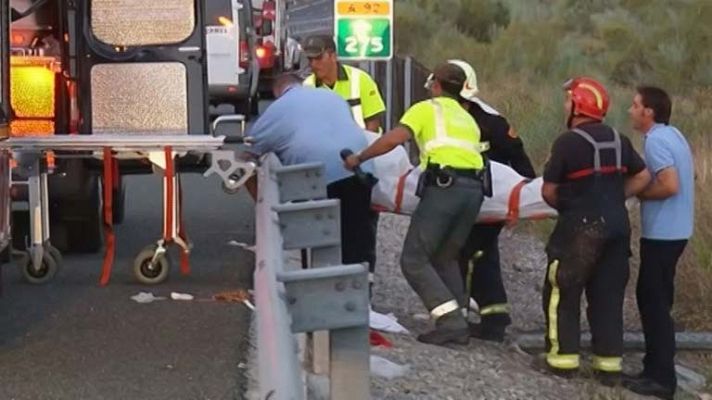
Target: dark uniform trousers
438, 229
486, 285
586, 254
655, 294
357, 236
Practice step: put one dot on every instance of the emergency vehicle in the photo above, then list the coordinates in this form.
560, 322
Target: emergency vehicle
82, 67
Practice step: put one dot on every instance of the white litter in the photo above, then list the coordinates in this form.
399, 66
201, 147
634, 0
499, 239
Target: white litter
181, 296
385, 323
387, 369
145, 298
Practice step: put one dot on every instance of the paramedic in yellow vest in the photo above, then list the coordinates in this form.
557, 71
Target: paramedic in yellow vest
354, 85
451, 193
360, 91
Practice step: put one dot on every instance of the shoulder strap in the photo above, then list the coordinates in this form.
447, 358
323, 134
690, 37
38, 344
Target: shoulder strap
614, 144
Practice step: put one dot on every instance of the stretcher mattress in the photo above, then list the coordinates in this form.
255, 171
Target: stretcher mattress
514, 196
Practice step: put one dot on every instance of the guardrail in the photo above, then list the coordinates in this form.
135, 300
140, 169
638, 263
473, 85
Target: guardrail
324, 299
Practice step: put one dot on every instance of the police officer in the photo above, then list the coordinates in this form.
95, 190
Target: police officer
450, 193
361, 92
354, 85
590, 172
479, 260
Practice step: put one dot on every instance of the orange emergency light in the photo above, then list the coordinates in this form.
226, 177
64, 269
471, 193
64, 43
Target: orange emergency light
32, 95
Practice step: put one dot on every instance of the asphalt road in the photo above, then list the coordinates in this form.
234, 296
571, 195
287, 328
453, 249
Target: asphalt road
72, 339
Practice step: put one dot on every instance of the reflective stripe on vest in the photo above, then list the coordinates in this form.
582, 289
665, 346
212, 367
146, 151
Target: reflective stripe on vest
354, 100
443, 140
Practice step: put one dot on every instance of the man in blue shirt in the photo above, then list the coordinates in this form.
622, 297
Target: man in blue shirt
667, 212
308, 125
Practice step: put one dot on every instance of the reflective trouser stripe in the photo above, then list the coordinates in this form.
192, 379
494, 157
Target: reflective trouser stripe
607, 364
444, 308
553, 358
371, 277
563, 361
502, 308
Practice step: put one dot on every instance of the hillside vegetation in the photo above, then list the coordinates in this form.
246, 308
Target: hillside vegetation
523, 50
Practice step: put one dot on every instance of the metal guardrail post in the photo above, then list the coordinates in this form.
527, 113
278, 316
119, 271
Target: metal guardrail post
408, 83
328, 297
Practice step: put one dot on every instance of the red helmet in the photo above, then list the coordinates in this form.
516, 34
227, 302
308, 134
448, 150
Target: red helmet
589, 97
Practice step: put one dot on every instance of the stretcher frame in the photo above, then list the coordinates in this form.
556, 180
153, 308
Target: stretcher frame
30, 154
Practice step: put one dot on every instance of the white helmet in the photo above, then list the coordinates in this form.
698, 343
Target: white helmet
469, 89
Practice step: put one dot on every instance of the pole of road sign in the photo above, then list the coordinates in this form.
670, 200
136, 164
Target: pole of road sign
363, 29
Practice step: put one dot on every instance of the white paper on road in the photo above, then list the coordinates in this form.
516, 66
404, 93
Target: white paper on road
385, 323
181, 296
384, 368
145, 298
514, 197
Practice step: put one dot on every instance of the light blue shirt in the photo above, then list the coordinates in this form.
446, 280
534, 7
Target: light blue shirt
308, 125
671, 218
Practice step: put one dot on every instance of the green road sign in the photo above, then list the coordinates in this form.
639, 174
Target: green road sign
363, 29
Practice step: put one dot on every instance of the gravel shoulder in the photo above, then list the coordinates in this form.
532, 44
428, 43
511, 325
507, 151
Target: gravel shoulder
481, 370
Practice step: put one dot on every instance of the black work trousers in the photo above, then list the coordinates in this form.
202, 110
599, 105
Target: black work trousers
583, 256
358, 236
655, 293
485, 280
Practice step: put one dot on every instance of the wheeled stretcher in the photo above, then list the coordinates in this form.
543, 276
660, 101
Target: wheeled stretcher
30, 155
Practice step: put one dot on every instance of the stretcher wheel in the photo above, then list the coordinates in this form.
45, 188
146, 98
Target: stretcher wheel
48, 269
55, 253
150, 273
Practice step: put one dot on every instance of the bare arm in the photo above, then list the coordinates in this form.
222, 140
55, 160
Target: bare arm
665, 184
549, 193
636, 183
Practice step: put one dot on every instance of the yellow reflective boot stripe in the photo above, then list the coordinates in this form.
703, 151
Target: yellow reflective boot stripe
495, 309
553, 358
563, 361
607, 364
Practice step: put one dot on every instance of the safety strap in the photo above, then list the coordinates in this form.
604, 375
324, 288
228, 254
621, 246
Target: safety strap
444, 308
442, 139
614, 144
109, 169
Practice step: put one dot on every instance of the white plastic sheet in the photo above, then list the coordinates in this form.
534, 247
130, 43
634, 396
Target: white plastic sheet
513, 197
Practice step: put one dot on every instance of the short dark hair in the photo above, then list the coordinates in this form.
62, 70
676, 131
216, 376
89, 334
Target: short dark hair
285, 79
451, 78
657, 100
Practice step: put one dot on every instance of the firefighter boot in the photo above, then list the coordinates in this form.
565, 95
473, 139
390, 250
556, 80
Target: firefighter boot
491, 328
450, 328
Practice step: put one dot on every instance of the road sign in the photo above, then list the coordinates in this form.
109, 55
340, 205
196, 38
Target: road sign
363, 29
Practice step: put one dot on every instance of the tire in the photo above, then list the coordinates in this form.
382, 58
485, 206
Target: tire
86, 234
75, 209
119, 202
147, 274
48, 269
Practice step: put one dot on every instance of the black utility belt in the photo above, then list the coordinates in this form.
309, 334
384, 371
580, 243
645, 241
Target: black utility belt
447, 176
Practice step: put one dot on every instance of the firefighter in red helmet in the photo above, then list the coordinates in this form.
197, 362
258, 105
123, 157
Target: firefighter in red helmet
591, 171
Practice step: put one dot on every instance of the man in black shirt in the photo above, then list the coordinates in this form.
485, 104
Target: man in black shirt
479, 258
591, 171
